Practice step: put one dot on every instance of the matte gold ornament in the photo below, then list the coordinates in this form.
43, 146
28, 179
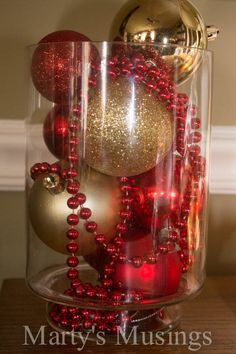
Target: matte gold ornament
175, 22
48, 211
128, 130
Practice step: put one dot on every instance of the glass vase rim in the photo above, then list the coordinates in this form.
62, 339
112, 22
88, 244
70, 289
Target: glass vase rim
140, 44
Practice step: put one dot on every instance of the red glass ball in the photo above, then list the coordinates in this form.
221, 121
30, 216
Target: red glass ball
54, 69
160, 279
55, 131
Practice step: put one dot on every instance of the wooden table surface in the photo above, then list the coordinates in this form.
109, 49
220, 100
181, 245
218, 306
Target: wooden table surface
213, 310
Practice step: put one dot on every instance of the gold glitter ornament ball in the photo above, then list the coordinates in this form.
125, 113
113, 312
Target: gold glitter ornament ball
48, 211
128, 130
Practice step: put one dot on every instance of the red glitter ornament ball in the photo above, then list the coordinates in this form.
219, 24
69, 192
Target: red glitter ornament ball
56, 65
55, 131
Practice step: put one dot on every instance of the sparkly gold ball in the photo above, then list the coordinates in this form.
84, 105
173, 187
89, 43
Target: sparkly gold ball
128, 130
48, 211
175, 22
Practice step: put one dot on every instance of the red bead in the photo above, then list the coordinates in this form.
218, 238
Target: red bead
181, 123
112, 73
91, 226
72, 234
183, 244
74, 125
122, 228
111, 249
122, 258
185, 268
126, 214
173, 236
107, 283
183, 98
69, 173
97, 317
110, 316
64, 322
85, 313
92, 82
151, 259
75, 283
163, 248
87, 324
124, 180
164, 95
125, 71
55, 168
73, 219
195, 137
74, 141
73, 158
45, 167
137, 262
101, 293
126, 201
101, 326
193, 110
181, 255
112, 61
118, 241
72, 247
100, 238
85, 213
75, 325
73, 187
153, 72
126, 188
73, 203
72, 261
90, 292
81, 198
116, 296
108, 269
195, 123
79, 290
151, 85
195, 150
72, 274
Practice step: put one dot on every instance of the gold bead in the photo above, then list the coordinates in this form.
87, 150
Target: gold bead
48, 211
128, 130
175, 22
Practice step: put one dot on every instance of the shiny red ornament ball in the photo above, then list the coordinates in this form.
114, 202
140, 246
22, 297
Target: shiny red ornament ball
56, 65
159, 279
55, 131
157, 197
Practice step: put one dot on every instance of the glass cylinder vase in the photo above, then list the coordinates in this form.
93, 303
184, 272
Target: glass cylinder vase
117, 182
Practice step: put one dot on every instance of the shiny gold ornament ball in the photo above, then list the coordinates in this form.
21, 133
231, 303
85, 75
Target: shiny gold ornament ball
128, 130
175, 22
48, 211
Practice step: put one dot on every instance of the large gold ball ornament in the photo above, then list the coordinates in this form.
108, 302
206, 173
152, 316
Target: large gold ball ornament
48, 211
174, 22
128, 130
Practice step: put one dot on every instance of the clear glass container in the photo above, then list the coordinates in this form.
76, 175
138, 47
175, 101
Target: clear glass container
117, 182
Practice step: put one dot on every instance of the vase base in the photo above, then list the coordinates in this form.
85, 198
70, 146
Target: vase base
74, 321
